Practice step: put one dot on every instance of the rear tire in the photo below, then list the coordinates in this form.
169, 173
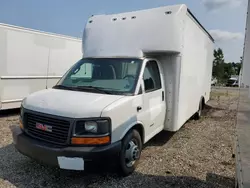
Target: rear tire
198, 114
130, 152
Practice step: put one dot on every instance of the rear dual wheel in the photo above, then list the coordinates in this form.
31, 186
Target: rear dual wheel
198, 114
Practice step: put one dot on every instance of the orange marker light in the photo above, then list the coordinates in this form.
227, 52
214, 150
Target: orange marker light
90, 141
21, 124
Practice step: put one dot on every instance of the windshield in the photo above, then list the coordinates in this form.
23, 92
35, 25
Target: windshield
106, 75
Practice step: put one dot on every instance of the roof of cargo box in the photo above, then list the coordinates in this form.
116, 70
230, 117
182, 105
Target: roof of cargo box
191, 14
136, 33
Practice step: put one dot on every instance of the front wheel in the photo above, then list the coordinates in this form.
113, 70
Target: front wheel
130, 153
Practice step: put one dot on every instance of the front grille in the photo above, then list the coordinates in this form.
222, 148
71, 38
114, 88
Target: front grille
60, 128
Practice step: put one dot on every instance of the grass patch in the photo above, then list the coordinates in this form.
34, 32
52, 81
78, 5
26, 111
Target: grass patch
218, 94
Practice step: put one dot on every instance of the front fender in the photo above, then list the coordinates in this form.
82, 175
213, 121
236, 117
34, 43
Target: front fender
120, 131
130, 127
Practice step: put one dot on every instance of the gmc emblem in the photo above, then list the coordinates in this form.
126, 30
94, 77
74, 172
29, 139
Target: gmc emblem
42, 127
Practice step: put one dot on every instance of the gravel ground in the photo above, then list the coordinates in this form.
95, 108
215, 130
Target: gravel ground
198, 155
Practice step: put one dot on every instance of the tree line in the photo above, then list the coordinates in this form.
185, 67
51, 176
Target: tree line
222, 70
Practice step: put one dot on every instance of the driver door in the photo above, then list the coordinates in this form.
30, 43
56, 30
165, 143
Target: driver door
154, 106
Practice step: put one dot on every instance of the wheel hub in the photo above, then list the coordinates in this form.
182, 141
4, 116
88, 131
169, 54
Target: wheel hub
132, 153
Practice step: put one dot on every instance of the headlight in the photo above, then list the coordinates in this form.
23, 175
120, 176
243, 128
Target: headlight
93, 127
90, 126
92, 132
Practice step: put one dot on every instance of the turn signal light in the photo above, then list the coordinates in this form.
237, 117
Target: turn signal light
90, 141
20, 124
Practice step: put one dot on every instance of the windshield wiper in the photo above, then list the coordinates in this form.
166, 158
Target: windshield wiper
98, 89
62, 87
81, 88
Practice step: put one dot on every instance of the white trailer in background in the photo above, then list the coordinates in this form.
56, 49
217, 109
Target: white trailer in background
32, 60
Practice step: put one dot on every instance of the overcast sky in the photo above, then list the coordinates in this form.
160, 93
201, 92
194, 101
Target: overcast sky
225, 19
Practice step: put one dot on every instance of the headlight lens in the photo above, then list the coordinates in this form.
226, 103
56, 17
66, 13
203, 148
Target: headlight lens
90, 126
93, 127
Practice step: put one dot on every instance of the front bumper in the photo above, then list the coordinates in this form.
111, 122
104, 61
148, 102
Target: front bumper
48, 153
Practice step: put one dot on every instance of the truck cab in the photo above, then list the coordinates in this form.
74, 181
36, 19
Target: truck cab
113, 105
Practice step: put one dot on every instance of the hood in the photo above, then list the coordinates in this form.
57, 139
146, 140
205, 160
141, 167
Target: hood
73, 104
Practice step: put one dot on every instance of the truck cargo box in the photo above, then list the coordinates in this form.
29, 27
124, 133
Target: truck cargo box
169, 34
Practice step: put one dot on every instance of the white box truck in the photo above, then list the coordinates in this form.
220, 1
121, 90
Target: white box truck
32, 60
143, 72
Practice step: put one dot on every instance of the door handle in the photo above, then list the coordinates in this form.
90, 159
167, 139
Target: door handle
139, 108
163, 97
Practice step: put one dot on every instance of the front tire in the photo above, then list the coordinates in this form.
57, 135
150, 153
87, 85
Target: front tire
130, 153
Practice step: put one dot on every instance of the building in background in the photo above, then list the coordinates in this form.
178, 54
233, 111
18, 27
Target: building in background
246, 55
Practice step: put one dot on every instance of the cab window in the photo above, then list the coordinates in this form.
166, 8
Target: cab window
151, 77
